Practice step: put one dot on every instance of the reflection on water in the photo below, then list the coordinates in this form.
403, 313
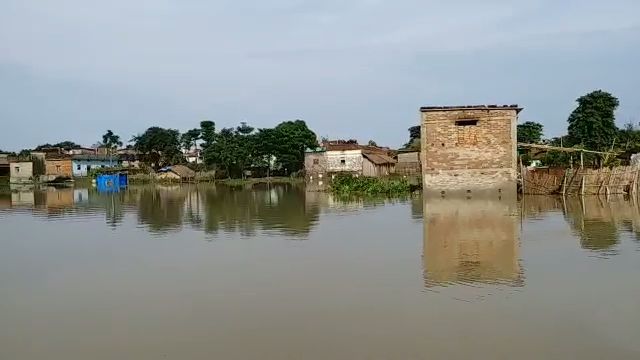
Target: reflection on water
129, 275
471, 240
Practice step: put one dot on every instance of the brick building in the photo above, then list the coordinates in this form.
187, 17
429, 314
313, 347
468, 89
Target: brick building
469, 148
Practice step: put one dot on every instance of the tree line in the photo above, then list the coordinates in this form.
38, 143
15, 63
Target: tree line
232, 151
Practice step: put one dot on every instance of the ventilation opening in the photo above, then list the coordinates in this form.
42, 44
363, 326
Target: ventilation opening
467, 122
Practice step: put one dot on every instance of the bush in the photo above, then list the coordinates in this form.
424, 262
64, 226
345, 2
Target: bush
349, 185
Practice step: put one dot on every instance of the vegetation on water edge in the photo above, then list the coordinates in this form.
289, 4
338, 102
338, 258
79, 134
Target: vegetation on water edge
362, 185
252, 181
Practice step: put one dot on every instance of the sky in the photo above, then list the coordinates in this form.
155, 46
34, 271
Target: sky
71, 69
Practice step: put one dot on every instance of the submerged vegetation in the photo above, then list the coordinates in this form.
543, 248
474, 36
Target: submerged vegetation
351, 185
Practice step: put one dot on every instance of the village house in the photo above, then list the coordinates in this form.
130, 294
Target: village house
129, 158
83, 164
58, 168
179, 173
21, 172
346, 158
469, 148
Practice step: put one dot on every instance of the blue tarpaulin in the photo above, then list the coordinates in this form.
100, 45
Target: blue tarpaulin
112, 182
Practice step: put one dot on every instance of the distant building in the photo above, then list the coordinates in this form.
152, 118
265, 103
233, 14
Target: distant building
469, 148
193, 156
21, 172
177, 173
346, 158
83, 164
58, 169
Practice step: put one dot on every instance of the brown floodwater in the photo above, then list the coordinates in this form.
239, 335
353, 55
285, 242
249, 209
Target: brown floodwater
205, 272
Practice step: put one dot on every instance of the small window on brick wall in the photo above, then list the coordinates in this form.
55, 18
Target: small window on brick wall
316, 161
467, 122
343, 161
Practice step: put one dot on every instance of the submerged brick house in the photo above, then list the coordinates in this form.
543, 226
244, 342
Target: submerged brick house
469, 148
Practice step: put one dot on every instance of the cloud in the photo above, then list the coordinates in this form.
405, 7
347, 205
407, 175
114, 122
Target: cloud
352, 69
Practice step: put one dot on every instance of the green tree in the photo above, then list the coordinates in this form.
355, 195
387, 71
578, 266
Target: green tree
189, 139
159, 146
592, 123
111, 141
414, 139
372, 143
65, 145
208, 137
530, 132
222, 152
293, 138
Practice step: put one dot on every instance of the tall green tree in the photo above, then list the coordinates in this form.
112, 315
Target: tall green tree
208, 137
530, 132
159, 146
294, 137
592, 123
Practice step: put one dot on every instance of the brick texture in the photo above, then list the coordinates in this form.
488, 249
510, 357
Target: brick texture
469, 149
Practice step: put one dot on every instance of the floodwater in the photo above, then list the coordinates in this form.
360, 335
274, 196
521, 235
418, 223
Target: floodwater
204, 272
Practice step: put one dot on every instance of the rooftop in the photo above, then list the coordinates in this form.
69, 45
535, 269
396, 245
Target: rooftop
471, 107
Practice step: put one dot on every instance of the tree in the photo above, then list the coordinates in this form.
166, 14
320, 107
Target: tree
111, 142
65, 145
414, 138
530, 132
222, 152
190, 139
293, 138
592, 123
372, 143
159, 146
208, 137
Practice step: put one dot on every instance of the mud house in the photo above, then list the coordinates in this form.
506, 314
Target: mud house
469, 148
179, 173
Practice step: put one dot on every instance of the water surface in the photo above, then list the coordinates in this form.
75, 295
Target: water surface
204, 272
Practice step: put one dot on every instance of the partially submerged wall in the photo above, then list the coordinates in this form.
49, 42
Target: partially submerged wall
469, 149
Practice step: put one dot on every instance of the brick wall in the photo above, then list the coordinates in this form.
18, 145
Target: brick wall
468, 148
58, 168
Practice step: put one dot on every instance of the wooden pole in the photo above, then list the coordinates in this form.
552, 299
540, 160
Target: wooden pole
581, 160
564, 184
582, 186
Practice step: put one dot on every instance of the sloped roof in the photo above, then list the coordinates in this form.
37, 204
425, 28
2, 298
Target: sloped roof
182, 171
379, 159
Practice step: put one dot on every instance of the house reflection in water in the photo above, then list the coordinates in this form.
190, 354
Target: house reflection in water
469, 240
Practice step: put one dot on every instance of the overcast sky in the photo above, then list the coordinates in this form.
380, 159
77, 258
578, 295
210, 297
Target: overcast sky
70, 69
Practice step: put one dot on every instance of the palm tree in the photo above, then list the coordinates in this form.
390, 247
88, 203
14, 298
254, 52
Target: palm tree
111, 141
